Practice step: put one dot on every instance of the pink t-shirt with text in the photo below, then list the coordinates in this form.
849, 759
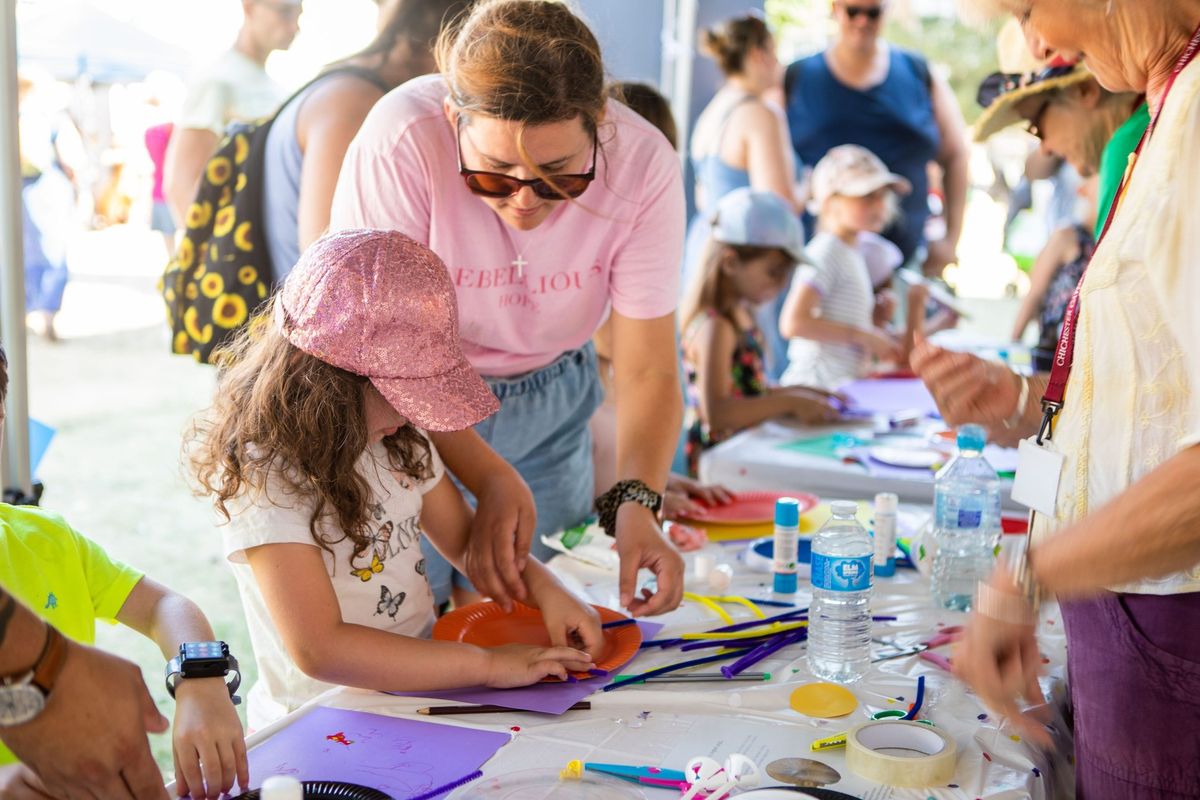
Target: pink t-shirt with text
620, 242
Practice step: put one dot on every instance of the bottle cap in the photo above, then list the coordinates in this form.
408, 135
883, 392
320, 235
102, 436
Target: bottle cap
844, 508
886, 503
971, 437
787, 512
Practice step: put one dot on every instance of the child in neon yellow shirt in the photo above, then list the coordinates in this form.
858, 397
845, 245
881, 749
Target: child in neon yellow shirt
71, 582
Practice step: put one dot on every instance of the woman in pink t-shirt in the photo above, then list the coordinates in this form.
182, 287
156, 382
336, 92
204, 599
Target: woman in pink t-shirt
552, 209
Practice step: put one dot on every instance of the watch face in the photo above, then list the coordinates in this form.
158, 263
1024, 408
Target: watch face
204, 660
19, 704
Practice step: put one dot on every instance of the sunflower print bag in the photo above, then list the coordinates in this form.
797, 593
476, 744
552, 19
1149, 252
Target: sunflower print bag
221, 271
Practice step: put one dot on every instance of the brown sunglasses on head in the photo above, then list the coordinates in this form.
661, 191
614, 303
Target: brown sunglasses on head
497, 184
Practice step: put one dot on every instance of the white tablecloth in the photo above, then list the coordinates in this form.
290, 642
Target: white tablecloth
757, 459
666, 724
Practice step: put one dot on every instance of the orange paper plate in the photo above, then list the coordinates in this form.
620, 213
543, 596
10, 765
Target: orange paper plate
486, 624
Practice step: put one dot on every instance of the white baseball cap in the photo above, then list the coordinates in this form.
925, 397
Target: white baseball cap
852, 171
757, 218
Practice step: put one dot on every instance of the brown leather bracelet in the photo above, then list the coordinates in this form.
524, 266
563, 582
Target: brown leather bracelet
51, 660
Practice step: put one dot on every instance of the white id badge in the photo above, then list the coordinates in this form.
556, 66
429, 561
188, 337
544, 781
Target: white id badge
1039, 469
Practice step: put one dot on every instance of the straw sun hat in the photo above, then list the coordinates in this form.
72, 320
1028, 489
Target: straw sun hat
1021, 76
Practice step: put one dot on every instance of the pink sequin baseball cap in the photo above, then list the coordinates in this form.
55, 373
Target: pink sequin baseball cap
378, 304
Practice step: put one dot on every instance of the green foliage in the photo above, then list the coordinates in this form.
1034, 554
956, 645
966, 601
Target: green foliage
966, 53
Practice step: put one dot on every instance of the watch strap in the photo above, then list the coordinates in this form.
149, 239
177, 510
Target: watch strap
175, 674
50, 663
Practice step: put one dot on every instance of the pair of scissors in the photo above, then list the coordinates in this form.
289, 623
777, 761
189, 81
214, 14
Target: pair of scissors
944, 637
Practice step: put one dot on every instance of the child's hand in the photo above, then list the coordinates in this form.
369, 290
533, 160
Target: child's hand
571, 623
19, 782
522, 664
210, 749
812, 410
881, 345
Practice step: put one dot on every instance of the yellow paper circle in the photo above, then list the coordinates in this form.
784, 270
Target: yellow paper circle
825, 700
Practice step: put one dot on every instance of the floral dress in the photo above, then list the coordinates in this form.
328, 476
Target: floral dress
749, 380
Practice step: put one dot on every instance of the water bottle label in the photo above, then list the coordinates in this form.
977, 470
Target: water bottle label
841, 574
969, 518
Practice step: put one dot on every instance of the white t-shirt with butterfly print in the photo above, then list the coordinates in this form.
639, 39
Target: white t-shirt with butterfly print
384, 588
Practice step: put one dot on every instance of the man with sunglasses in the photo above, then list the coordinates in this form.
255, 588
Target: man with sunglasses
234, 88
862, 91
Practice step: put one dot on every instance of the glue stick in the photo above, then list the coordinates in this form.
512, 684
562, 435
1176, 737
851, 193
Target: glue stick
885, 534
787, 531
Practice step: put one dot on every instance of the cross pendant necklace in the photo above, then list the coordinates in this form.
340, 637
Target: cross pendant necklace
519, 262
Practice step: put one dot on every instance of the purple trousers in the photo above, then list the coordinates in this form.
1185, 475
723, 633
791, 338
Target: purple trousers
1134, 668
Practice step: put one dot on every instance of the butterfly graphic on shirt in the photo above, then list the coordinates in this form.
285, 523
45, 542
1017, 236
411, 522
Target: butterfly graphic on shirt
381, 537
364, 574
420, 567
389, 603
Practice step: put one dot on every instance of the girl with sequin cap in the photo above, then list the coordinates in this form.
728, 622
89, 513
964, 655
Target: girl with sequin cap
316, 456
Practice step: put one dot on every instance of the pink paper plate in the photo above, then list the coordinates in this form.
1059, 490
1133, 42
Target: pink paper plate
752, 508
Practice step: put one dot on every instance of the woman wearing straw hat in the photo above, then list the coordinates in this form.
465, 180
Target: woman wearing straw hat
1075, 119
552, 208
1119, 541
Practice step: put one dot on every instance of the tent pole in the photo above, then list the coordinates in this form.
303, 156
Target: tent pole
17, 482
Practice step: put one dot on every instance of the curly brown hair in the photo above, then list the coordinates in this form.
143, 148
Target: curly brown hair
283, 415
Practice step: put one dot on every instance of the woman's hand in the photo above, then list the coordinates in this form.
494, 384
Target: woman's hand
515, 665
208, 743
501, 535
19, 782
966, 388
640, 544
999, 659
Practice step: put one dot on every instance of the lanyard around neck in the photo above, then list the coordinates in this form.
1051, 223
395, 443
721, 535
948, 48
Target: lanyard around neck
1064, 353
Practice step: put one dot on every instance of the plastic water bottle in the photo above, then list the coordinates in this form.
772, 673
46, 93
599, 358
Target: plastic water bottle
839, 617
966, 521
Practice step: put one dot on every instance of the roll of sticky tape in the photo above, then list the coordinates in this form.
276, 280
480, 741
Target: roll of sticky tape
901, 753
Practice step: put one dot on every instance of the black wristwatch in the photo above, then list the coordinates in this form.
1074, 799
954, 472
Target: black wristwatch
204, 660
623, 492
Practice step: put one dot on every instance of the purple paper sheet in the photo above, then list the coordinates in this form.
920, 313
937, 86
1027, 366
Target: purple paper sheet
547, 698
890, 396
404, 758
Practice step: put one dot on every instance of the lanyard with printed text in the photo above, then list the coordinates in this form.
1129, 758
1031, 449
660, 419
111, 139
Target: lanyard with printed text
1064, 353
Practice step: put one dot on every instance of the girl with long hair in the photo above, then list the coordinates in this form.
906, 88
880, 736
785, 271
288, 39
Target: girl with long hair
315, 454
